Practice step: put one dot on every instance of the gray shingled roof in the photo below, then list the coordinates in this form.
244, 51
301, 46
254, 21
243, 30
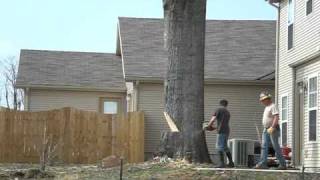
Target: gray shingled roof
96, 71
235, 49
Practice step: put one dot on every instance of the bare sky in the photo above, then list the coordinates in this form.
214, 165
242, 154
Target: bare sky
90, 25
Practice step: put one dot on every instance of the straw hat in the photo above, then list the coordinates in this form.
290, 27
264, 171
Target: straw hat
265, 95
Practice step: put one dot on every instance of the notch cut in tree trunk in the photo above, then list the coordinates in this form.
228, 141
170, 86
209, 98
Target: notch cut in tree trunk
170, 121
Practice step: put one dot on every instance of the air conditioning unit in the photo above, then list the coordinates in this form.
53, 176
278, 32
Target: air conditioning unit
241, 150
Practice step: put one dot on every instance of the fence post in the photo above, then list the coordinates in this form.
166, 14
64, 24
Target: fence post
303, 168
121, 167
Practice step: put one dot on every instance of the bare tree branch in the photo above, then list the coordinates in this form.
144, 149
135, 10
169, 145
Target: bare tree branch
6, 86
47, 149
14, 96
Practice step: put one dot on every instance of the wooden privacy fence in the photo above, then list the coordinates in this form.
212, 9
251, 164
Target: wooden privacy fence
78, 136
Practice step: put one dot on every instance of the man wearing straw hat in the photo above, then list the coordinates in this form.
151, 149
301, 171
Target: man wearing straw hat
271, 132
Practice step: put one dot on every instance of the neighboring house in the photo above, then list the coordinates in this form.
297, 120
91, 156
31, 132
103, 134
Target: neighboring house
56, 79
239, 64
298, 68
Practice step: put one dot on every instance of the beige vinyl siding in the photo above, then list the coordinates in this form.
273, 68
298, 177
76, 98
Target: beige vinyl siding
244, 107
311, 149
305, 42
151, 101
40, 100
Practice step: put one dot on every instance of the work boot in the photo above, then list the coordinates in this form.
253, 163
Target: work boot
231, 164
221, 160
281, 167
261, 166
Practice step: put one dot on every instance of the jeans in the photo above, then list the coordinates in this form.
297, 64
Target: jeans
266, 138
221, 144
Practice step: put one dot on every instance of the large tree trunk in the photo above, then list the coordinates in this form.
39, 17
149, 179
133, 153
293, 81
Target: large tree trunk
184, 36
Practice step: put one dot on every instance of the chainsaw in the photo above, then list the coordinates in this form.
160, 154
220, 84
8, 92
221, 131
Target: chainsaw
209, 127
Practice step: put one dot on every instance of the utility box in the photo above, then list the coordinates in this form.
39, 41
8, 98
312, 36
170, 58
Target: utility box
242, 151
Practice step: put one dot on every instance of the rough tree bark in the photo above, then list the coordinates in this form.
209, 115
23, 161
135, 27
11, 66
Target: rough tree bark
184, 37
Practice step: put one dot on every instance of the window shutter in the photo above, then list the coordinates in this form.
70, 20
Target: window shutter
284, 135
290, 36
313, 125
309, 6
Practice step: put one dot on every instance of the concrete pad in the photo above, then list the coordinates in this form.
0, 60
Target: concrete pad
249, 170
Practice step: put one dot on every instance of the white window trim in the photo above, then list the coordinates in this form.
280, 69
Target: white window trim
112, 99
281, 120
293, 25
314, 108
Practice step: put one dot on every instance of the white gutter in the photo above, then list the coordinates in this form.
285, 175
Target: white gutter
208, 81
277, 51
72, 88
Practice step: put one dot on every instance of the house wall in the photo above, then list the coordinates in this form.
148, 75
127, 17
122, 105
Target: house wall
243, 105
311, 152
306, 41
41, 100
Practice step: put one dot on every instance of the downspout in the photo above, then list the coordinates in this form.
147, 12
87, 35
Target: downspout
27, 99
136, 95
277, 52
294, 101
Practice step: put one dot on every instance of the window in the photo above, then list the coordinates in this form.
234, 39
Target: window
309, 6
284, 120
290, 23
109, 106
290, 12
312, 107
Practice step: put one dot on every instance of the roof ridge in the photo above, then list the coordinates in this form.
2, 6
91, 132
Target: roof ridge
66, 51
127, 17
147, 18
